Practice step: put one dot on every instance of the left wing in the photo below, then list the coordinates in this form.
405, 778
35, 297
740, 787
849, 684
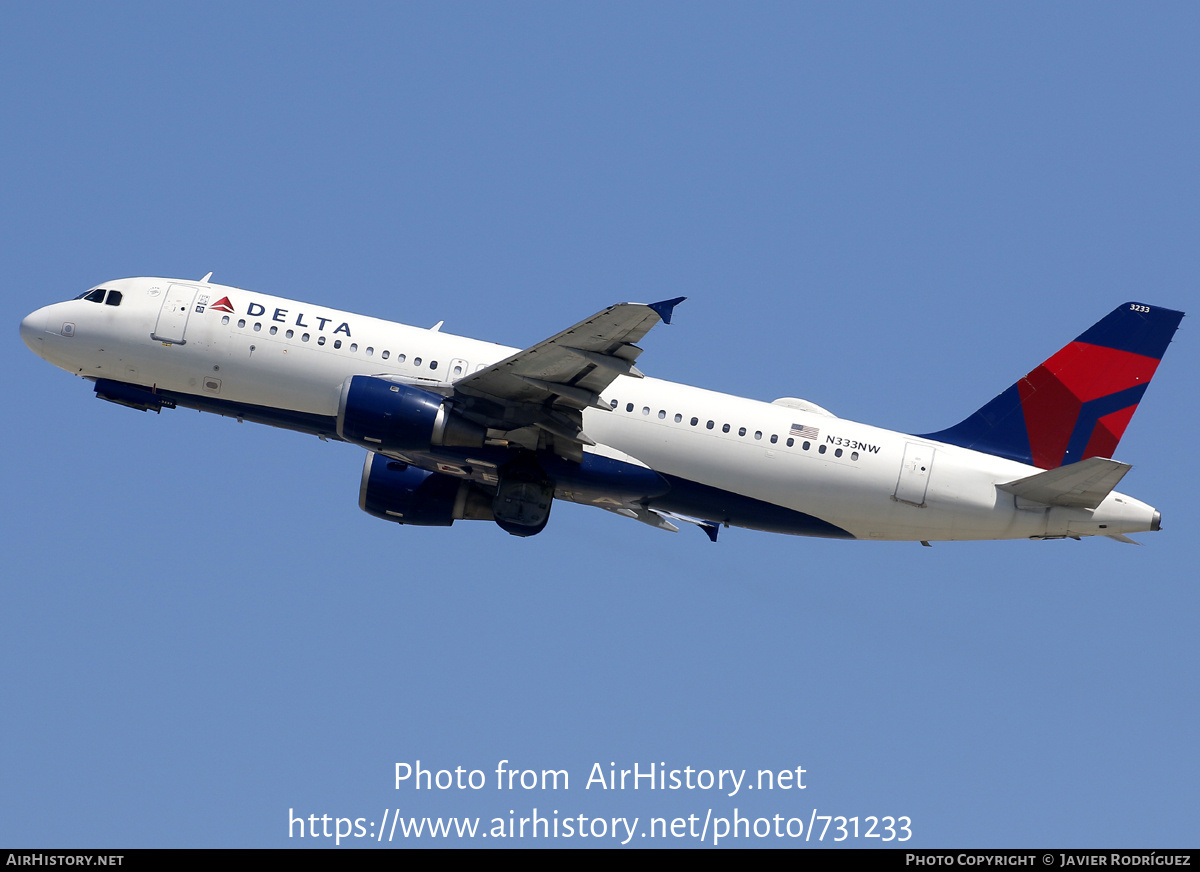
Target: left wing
535, 398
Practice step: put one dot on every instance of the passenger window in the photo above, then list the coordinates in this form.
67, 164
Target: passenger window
400, 358
678, 417
837, 452
790, 442
433, 364
416, 361
709, 425
774, 438
758, 434
741, 431
241, 323
320, 339
304, 338
805, 446
257, 327
225, 321
612, 404
370, 350
385, 354
290, 334
695, 421
114, 298
854, 455
645, 410
629, 407
662, 413
337, 343
821, 450
724, 428
274, 329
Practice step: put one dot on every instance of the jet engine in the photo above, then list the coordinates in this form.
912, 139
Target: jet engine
396, 417
396, 491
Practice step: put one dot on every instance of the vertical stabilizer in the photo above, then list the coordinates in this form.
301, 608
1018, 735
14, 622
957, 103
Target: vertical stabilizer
1078, 403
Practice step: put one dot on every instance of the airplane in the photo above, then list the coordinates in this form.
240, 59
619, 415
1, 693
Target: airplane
462, 429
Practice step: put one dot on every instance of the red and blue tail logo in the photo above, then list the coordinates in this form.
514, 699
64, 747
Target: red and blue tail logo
1078, 403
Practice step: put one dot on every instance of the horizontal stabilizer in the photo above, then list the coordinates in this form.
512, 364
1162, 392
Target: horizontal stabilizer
1082, 485
1120, 537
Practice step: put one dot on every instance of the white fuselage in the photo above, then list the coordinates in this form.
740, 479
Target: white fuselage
275, 353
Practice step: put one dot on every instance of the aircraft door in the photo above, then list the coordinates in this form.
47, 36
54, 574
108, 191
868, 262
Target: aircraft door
173, 316
914, 474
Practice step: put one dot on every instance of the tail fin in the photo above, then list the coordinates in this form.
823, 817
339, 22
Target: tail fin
1077, 404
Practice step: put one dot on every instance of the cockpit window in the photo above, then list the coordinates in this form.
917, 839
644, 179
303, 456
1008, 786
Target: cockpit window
97, 296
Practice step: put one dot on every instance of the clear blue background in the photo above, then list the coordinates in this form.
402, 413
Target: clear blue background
891, 210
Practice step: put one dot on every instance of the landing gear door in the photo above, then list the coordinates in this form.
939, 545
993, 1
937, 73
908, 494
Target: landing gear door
173, 316
914, 474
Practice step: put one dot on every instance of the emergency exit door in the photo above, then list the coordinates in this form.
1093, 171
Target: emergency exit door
914, 473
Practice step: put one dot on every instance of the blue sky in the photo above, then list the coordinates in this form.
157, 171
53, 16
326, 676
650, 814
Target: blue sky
891, 210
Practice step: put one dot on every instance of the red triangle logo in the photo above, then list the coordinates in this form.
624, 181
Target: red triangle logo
222, 305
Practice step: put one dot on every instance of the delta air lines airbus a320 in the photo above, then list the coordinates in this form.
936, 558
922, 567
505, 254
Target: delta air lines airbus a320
459, 429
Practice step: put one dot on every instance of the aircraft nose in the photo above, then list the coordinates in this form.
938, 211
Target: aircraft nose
33, 328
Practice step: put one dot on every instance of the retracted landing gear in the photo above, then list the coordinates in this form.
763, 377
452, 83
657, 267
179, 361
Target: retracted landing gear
523, 497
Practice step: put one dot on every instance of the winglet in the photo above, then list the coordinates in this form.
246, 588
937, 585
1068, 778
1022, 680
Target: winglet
664, 308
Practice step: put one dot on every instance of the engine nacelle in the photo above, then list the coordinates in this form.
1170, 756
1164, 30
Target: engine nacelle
398, 417
396, 491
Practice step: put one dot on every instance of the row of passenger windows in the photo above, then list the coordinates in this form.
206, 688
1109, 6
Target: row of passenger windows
726, 428
97, 296
369, 350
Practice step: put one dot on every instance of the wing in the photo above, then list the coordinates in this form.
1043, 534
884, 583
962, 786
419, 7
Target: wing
535, 398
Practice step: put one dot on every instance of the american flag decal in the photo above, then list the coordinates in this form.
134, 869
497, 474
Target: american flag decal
805, 432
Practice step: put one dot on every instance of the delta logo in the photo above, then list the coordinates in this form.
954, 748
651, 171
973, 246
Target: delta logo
223, 305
